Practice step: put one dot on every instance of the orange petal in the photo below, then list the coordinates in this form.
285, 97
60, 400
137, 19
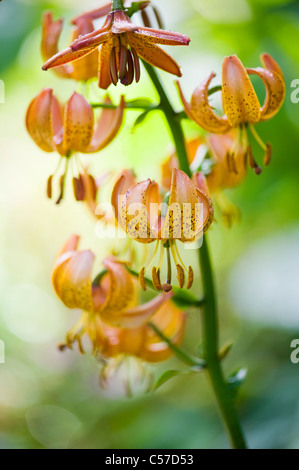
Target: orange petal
108, 126
72, 277
182, 196
39, 120
70, 245
120, 291
202, 112
221, 175
189, 209
86, 67
124, 182
199, 180
78, 124
154, 55
240, 102
134, 215
271, 64
95, 38
136, 316
104, 57
143, 342
122, 23
187, 106
171, 322
94, 14
160, 36
51, 31
273, 79
65, 56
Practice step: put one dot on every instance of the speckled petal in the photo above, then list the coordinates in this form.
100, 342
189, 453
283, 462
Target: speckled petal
154, 55
160, 36
124, 182
171, 321
39, 120
120, 290
136, 316
273, 79
240, 102
108, 126
202, 112
78, 124
86, 67
72, 276
104, 56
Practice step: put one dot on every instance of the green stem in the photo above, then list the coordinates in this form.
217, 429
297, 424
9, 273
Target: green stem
210, 315
211, 351
117, 5
150, 107
191, 361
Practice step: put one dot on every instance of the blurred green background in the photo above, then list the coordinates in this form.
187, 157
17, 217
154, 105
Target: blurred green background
49, 399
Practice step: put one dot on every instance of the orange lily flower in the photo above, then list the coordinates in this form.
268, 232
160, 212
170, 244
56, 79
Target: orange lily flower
71, 129
122, 44
111, 298
143, 342
186, 213
83, 69
221, 175
240, 103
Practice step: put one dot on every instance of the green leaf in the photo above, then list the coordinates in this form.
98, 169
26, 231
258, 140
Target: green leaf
169, 374
142, 102
225, 350
235, 381
165, 377
140, 120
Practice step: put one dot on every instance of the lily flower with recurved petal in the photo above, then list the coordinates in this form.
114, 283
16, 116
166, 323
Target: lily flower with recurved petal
122, 44
240, 103
71, 129
111, 298
207, 156
184, 215
83, 69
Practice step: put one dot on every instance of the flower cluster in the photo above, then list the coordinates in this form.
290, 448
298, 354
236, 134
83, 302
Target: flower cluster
115, 318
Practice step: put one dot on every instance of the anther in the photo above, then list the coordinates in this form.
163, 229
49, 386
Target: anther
113, 67
268, 154
231, 163
61, 184
190, 278
49, 186
141, 278
136, 65
252, 161
156, 278
78, 187
122, 61
180, 276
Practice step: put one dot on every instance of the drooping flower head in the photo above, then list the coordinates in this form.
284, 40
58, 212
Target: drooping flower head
71, 129
242, 109
109, 302
122, 43
184, 215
